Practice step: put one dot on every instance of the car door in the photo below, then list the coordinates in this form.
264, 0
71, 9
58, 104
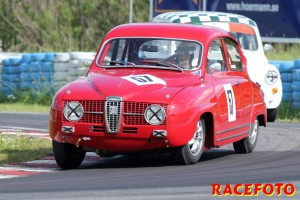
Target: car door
239, 72
229, 118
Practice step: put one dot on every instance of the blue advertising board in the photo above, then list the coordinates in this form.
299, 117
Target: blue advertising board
161, 6
277, 20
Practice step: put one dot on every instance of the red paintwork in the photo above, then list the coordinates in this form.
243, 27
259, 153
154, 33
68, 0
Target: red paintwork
191, 96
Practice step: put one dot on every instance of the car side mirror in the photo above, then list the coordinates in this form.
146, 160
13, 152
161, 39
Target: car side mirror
268, 48
215, 67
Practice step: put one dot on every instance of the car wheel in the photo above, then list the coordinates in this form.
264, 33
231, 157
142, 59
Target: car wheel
192, 151
272, 114
67, 156
247, 144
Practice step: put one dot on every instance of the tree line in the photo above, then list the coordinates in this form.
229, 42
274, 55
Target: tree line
63, 25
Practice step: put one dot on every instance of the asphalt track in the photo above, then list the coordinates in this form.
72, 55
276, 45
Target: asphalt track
276, 159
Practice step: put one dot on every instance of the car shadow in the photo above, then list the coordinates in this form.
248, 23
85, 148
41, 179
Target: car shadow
212, 154
149, 160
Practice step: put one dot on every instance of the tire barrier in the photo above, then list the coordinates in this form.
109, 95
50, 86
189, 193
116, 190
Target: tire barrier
286, 77
34, 67
286, 97
82, 55
290, 76
14, 61
37, 71
47, 66
286, 66
37, 57
9, 72
26, 58
24, 67
297, 63
296, 86
296, 96
61, 57
61, 67
295, 104
287, 87
76, 67
296, 74
49, 57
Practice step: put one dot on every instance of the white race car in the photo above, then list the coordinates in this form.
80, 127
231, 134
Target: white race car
247, 34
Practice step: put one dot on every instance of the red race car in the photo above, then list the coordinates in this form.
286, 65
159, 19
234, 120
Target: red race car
152, 87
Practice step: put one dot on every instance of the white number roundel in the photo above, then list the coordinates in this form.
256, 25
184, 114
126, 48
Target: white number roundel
144, 79
230, 102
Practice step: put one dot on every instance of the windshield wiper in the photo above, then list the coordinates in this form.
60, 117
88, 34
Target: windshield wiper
124, 63
165, 64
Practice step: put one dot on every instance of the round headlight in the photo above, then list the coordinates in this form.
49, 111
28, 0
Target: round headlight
271, 77
73, 111
155, 114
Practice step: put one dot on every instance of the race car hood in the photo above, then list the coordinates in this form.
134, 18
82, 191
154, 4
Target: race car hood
155, 86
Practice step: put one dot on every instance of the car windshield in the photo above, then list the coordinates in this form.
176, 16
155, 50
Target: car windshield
151, 52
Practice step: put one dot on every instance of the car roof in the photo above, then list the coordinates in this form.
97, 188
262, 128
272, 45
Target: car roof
202, 16
167, 30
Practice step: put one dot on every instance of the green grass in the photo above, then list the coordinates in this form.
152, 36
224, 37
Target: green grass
288, 114
284, 52
22, 107
17, 148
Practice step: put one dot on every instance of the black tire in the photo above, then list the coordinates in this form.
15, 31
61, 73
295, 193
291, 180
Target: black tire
272, 114
247, 144
185, 155
67, 156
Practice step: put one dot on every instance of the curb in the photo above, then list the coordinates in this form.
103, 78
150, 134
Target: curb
45, 165
29, 168
29, 133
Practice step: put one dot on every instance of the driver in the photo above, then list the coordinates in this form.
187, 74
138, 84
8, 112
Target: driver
185, 54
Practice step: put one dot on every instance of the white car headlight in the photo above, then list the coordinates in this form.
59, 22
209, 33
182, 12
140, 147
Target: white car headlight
73, 111
271, 77
155, 114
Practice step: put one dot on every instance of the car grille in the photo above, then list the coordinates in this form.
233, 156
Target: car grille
113, 106
134, 113
93, 112
107, 115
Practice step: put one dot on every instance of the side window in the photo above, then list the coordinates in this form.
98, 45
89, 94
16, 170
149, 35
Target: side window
234, 57
215, 57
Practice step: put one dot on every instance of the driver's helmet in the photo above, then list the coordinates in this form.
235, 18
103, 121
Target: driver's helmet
185, 54
185, 48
